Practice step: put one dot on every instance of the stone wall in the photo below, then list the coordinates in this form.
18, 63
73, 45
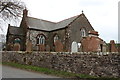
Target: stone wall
33, 36
93, 64
49, 38
61, 35
75, 28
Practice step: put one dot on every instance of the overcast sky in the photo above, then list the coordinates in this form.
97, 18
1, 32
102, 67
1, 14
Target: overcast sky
102, 14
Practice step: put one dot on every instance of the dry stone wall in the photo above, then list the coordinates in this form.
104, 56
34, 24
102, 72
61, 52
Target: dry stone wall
93, 64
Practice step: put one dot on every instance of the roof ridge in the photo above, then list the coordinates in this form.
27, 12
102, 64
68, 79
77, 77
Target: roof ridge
68, 18
41, 19
54, 22
14, 26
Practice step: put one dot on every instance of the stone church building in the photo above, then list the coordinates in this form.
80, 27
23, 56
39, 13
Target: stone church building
43, 35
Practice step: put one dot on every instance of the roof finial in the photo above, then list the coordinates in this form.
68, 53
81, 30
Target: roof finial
82, 11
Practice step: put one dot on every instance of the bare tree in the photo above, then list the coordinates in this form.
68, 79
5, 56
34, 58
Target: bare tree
11, 8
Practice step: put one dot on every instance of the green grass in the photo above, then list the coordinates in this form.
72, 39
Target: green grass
48, 71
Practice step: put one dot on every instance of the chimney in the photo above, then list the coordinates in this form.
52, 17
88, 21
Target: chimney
25, 12
93, 33
8, 25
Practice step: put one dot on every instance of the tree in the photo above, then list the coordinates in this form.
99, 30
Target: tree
11, 8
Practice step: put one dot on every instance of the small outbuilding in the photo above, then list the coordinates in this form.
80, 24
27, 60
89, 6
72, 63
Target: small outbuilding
92, 43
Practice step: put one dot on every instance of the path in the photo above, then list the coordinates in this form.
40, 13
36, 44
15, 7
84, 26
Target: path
10, 72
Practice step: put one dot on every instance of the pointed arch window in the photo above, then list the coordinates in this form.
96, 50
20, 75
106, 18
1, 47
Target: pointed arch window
56, 37
83, 32
17, 40
41, 39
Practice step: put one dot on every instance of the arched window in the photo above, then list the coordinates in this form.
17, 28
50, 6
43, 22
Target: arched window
83, 33
56, 38
41, 39
17, 40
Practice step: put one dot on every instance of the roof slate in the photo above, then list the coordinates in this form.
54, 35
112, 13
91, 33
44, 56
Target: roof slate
40, 24
15, 30
64, 23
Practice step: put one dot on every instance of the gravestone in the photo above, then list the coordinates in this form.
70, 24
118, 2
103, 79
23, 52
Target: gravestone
41, 47
74, 47
58, 46
10, 47
47, 48
104, 47
113, 46
79, 47
16, 47
28, 46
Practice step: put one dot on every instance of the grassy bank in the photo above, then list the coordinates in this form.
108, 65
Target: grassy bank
48, 71
61, 74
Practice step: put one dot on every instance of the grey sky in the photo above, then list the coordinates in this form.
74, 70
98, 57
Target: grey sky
102, 14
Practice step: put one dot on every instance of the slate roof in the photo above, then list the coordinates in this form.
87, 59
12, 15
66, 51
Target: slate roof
15, 30
64, 23
40, 24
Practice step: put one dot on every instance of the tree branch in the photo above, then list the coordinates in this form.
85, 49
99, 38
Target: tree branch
11, 8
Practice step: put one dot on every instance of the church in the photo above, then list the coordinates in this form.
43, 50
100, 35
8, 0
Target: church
45, 35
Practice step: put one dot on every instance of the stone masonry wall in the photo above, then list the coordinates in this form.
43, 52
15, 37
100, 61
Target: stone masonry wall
33, 35
93, 64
